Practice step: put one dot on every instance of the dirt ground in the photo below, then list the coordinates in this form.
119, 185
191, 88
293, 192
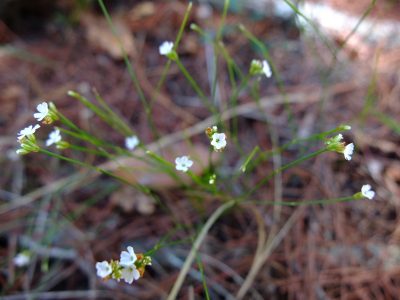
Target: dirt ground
340, 251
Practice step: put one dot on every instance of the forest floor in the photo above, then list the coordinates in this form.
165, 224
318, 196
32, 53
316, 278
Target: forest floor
340, 251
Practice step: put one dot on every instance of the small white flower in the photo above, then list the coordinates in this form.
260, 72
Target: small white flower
43, 110
348, 151
218, 141
367, 192
21, 259
128, 258
54, 137
266, 69
131, 142
183, 163
215, 128
129, 274
27, 131
166, 48
103, 269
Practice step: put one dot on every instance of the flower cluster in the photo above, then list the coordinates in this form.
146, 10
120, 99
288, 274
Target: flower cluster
217, 140
47, 113
335, 144
130, 266
26, 138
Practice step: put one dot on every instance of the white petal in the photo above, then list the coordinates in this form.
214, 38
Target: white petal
103, 269
125, 258
129, 274
266, 69
136, 274
166, 47
365, 188
131, 142
370, 195
42, 107
132, 253
43, 110
348, 151
21, 259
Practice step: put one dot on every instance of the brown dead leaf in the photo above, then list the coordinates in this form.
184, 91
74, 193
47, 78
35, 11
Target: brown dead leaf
142, 10
101, 37
130, 199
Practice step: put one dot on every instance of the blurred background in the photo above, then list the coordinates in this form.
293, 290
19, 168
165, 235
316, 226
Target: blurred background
337, 62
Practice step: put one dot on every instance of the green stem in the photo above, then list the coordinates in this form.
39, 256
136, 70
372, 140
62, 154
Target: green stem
195, 86
301, 203
283, 168
87, 150
132, 74
168, 64
100, 170
315, 137
183, 25
243, 167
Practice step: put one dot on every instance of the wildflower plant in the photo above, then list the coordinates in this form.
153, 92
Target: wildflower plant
131, 266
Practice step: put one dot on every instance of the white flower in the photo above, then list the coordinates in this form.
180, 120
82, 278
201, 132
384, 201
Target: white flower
183, 163
128, 258
131, 142
166, 48
129, 274
43, 110
218, 141
266, 69
348, 151
21, 259
103, 269
367, 192
54, 137
27, 131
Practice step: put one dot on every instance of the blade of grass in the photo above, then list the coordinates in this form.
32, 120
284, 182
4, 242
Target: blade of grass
195, 248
